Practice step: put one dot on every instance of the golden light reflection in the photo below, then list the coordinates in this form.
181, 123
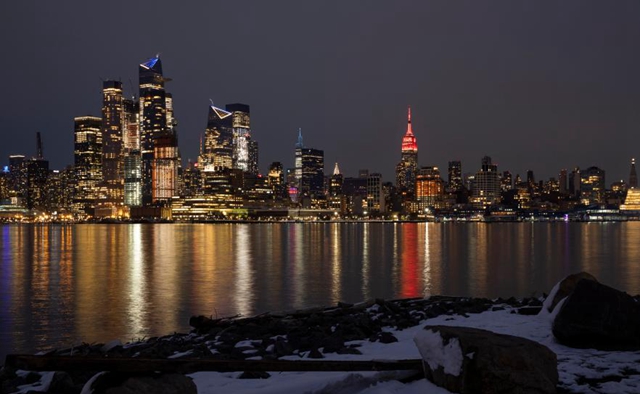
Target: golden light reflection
137, 282
365, 262
336, 262
165, 286
426, 269
244, 297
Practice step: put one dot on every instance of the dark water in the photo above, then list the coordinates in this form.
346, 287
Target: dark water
62, 285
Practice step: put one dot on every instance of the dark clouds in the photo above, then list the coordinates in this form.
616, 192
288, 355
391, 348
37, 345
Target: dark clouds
536, 85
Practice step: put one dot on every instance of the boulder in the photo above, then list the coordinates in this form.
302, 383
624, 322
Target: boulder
470, 360
599, 317
122, 383
565, 287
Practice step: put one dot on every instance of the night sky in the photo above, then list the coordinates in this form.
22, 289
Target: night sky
535, 85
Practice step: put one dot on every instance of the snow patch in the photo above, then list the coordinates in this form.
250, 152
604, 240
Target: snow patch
436, 353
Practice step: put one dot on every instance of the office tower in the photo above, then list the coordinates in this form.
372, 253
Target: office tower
429, 188
408, 167
312, 179
87, 154
592, 186
295, 186
506, 182
375, 196
241, 123
132, 161
574, 182
455, 175
562, 179
335, 189
37, 172
153, 118
17, 183
276, 180
4, 185
216, 153
633, 177
486, 184
165, 168
253, 156
113, 122
363, 173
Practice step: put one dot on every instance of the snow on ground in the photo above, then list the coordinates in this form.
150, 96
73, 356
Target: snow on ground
580, 370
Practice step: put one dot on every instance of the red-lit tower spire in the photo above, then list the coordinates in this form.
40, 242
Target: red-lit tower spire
409, 143
407, 169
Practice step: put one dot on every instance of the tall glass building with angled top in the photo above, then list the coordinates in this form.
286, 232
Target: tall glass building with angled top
153, 118
217, 149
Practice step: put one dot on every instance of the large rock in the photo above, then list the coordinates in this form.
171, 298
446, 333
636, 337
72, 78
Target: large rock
470, 360
565, 287
600, 317
122, 383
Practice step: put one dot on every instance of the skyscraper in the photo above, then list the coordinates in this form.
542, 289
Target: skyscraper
562, 179
429, 188
153, 118
312, 181
132, 155
407, 169
335, 190
87, 159
113, 131
165, 168
486, 184
375, 196
241, 123
217, 150
37, 172
633, 177
455, 175
592, 186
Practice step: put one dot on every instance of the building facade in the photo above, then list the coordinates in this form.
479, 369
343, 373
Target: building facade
87, 161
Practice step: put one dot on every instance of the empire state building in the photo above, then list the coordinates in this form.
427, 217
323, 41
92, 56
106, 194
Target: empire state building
408, 167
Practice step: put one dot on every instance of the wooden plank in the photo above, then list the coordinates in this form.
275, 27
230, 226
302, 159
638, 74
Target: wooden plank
185, 365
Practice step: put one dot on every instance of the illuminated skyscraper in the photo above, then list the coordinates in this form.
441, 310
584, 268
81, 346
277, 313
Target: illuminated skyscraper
312, 181
153, 118
113, 130
633, 177
486, 184
241, 123
407, 169
37, 171
217, 151
592, 186
17, 177
455, 175
165, 168
375, 195
132, 156
335, 190
429, 188
562, 179
87, 159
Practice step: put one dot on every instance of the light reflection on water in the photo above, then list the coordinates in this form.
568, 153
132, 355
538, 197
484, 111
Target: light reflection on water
61, 285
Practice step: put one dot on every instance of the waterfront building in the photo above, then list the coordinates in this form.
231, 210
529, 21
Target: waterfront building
429, 189
17, 179
113, 126
506, 182
153, 119
216, 153
632, 200
312, 177
276, 180
486, 185
592, 186
562, 179
376, 202
633, 177
165, 168
574, 182
455, 176
241, 124
132, 159
37, 171
336, 200
87, 161
407, 168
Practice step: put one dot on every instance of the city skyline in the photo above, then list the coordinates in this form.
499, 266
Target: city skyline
481, 80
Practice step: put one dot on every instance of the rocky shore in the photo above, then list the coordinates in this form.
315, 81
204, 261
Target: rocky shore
316, 333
